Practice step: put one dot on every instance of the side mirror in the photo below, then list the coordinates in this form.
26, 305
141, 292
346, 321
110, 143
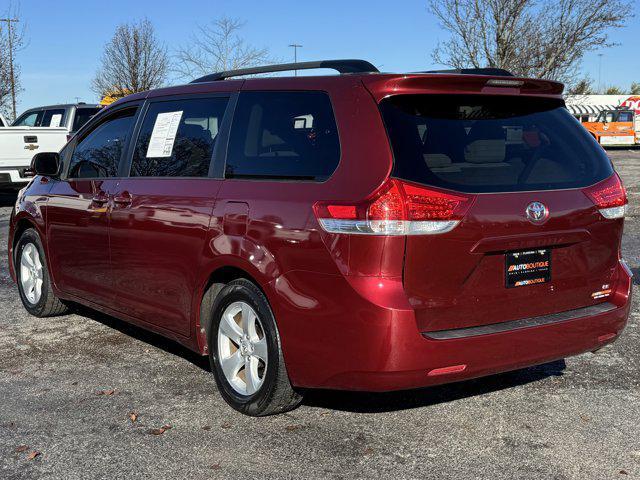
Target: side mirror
46, 163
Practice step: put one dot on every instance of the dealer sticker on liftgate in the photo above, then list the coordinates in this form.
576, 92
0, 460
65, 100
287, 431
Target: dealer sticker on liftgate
528, 268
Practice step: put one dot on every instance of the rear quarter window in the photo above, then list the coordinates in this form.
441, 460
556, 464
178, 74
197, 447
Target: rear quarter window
283, 135
485, 143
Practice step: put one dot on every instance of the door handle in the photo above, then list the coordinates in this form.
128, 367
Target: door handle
100, 198
123, 198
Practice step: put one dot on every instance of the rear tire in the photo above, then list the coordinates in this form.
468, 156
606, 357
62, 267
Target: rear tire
34, 282
246, 353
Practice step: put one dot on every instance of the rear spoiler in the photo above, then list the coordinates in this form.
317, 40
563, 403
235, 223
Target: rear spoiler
382, 86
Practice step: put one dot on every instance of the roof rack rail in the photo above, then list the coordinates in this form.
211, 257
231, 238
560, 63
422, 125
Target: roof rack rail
342, 66
500, 72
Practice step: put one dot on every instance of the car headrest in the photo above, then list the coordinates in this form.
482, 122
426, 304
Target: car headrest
485, 151
437, 160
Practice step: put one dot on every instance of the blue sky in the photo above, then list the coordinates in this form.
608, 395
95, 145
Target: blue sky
66, 37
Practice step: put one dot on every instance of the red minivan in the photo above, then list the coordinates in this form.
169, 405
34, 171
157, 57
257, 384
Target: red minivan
361, 231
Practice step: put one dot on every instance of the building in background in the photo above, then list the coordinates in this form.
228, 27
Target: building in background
587, 107
614, 120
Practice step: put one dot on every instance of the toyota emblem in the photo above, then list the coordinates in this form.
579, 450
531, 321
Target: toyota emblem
537, 212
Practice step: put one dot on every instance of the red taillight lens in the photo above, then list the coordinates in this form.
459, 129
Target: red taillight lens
427, 204
397, 208
609, 196
387, 204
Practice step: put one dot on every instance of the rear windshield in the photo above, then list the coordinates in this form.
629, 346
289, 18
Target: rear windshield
483, 143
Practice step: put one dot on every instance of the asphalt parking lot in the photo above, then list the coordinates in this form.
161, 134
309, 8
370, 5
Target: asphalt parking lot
88, 396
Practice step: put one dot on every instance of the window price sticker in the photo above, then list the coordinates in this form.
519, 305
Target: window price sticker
164, 134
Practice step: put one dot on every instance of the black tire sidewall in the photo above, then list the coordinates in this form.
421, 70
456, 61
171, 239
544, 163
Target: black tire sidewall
259, 401
30, 236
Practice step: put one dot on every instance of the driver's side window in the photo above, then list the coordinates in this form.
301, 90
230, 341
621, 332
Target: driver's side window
97, 154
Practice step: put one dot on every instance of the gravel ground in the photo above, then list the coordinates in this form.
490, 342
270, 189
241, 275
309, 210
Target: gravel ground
69, 385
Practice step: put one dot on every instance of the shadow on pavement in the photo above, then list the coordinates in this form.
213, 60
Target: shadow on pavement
158, 341
356, 402
8, 198
361, 402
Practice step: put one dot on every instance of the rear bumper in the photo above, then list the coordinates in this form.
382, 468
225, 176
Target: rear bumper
13, 176
617, 140
375, 348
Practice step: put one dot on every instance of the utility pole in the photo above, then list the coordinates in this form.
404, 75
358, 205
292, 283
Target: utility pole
295, 47
600, 72
9, 21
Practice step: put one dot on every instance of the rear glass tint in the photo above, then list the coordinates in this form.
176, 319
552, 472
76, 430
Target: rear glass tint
485, 143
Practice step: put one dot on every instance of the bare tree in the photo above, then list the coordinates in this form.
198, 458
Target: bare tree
5, 79
218, 46
528, 37
133, 61
12, 39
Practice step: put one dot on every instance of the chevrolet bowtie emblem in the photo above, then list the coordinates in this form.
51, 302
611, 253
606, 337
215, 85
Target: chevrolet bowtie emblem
31, 147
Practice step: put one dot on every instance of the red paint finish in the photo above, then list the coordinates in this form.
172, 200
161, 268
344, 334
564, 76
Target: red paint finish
77, 238
466, 271
351, 309
156, 247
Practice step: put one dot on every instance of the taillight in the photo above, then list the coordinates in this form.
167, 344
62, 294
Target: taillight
396, 208
609, 196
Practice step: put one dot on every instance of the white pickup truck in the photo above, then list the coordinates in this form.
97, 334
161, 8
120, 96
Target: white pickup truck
43, 129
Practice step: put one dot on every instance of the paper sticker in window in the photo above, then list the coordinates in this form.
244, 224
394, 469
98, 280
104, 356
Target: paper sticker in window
163, 135
55, 120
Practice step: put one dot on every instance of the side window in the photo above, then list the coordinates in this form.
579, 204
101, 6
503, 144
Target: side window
625, 117
83, 115
97, 155
53, 118
30, 119
283, 135
177, 138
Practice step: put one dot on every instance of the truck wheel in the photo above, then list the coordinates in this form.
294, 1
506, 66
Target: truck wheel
246, 353
34, 282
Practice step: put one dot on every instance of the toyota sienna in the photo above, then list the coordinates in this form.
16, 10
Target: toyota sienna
362, 231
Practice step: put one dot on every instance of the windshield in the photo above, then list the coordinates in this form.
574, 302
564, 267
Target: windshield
615, 116
483, 143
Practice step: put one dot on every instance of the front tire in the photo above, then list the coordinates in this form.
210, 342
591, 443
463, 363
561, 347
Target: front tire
34, 282
246, 353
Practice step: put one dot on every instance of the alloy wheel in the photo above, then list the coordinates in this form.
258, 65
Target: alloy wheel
242, 348
31, 275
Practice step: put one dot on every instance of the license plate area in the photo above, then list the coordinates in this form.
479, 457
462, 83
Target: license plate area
529, 267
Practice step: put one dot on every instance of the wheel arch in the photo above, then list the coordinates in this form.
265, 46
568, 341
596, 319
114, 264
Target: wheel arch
23, 224
20, 226
215, 280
